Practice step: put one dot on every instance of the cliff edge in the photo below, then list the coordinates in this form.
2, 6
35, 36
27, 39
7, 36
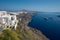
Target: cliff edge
28, 32
23, 32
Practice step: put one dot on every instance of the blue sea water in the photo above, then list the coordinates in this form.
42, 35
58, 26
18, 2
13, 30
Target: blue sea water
48, 23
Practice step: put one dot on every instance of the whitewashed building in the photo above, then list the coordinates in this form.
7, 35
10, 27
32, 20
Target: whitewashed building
7, 20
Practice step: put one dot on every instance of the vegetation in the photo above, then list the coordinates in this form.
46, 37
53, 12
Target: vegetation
9, 35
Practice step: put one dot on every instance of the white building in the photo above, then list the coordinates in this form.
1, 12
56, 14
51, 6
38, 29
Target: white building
8, 20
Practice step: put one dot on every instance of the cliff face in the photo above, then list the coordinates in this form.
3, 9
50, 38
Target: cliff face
27, 32
23, 32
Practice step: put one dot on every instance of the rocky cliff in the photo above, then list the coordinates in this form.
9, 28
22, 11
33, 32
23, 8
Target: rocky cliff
23, 32
28, 32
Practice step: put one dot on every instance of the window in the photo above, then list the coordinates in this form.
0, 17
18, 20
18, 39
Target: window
10, 27
7, 26
12, 18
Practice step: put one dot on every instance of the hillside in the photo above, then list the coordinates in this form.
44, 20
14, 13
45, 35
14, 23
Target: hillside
23, 32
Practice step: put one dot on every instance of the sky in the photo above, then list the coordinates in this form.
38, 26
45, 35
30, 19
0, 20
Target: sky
35, 5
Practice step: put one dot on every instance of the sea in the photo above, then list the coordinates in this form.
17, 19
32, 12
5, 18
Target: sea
48, 23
